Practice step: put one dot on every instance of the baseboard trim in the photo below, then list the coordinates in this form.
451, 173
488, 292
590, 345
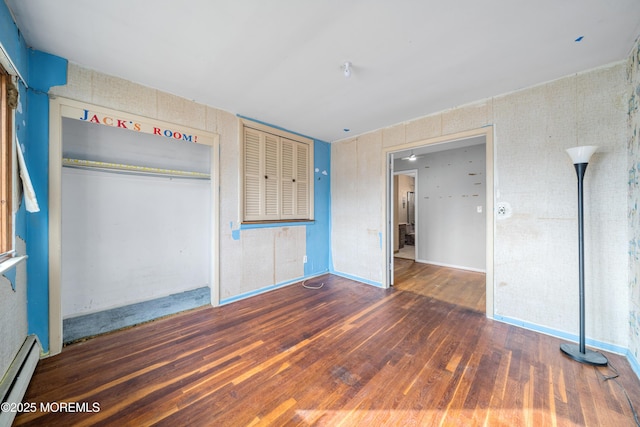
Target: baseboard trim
612, 348
269, 288
18, 376
457, 267
358, 279
635, 366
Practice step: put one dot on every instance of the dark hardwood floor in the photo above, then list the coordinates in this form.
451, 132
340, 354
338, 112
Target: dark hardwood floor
346, 354
459, 287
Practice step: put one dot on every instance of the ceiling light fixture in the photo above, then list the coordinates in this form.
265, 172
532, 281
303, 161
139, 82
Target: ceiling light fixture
346, 68
412, 157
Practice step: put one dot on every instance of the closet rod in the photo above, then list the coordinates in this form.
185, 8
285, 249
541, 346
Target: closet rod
132, 169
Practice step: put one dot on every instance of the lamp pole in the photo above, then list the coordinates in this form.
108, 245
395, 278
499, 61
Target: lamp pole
580, 157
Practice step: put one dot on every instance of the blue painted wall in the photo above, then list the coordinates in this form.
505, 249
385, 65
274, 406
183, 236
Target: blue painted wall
44, 71
318, 237
41, 71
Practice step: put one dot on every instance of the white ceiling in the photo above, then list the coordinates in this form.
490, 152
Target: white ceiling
280, 61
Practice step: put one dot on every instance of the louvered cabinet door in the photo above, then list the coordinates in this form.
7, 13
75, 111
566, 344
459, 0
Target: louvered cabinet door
271, 177
302, 181
288, 178
253, 175
295, 180
277, 183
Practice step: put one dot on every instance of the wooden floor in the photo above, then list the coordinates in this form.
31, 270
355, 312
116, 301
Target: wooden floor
458, 287
346, 354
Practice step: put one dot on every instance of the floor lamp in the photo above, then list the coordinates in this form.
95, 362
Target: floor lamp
580, 157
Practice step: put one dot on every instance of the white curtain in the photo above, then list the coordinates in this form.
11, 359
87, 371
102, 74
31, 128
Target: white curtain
31, 202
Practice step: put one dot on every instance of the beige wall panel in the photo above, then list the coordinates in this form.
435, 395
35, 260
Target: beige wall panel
290, 246
232, 272
343, 204
356, 206
124, 95
536, 248
394, 135
467, 117
369, 247
602, 121
258, 258
231, 254
175, 109
523, 181
211, 119
368, 221
423, 128
599, 111
229, 171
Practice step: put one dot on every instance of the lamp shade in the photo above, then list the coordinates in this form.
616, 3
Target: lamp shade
581, 154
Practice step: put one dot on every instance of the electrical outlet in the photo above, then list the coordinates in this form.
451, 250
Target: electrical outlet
304, 259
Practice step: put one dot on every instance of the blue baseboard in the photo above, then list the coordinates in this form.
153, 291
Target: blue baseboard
357, 279
268, 288
574, 338
564, 335
88, 325
634, 363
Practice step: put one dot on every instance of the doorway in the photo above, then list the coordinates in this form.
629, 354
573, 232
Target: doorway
450, 244
405, 226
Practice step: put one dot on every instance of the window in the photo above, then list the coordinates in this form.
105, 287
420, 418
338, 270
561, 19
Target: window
277, 175
8, 100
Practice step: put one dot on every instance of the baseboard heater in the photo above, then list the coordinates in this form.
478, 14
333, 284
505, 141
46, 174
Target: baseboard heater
15, 382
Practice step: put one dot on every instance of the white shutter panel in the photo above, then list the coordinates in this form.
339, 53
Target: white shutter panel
302, 181
277, 183
272, 177
288, 178
252, 175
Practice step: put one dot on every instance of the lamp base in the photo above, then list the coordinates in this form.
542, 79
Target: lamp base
589, 357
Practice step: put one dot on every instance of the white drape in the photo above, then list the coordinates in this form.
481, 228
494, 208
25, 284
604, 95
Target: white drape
31, 202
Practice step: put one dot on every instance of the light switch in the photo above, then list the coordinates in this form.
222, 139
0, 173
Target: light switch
479, 209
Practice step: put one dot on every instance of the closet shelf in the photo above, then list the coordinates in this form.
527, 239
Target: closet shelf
143, 170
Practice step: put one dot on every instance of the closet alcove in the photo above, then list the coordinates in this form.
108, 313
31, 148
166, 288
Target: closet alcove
136, 225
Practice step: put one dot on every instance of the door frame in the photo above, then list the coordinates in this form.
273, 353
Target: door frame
61, 107
387, 240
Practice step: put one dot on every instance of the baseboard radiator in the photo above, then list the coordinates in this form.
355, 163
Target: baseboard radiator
15, 382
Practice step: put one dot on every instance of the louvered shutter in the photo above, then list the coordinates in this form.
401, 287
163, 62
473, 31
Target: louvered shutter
276, 181
272, 177
288, 178
302, 180
253, 179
